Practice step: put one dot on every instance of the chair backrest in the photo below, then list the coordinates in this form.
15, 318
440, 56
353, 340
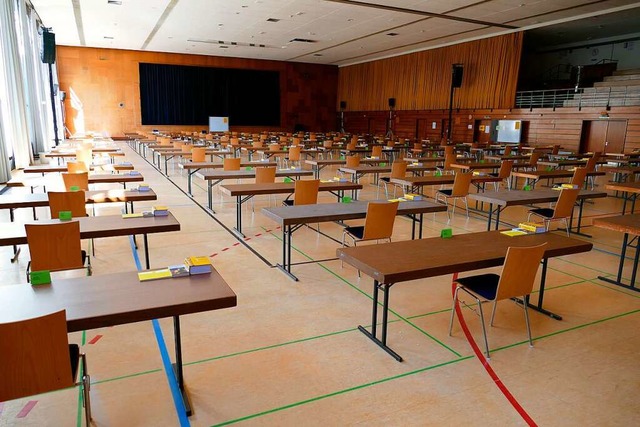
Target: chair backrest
351, 145
378, 223
591, 163
353, 161
76, 167
259, 143
85, 154
566, 201
555, 150
266, 175
449, 158
186, 148
231, 164
274, 147
34, 356
579, 175
417, 146
234, 141
507, 150
448, 149
519, 271
376, 151
398, 169
505, 169
294, 153
306, 192
80, 180
199, 154
54, 246
533, 160
73, 201
461, 184
327, 143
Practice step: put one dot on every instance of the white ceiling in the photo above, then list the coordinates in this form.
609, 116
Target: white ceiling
344, 31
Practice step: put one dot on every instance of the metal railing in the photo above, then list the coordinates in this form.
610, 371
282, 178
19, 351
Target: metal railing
615, 96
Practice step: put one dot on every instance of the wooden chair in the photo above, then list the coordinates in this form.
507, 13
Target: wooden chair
77, 167
398, 170
351, 146
592, 163
55, 247
231, 164
417, 149
507, 150
294, 155
579, 176
516, 280
376, 151
378, 224
460, 190
258, 144
533, 161
73, 201
85, 154
563, 209
504, 174
199, 154
449, 158
555, 150
80, 180
264, 175
305, 192
352, 161
36, 357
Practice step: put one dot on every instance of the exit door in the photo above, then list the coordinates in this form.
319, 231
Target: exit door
605, 136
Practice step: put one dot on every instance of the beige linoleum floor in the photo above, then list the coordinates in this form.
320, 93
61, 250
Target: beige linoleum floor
290, 353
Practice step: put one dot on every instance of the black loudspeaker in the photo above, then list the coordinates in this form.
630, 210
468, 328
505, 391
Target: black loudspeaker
343, 105
48, 52
392, 103
456, 77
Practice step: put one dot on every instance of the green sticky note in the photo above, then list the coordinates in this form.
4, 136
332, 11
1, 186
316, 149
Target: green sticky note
249, 168
437, 173
74, 188
346, 199
383, 164
527, 188
287, 179
482, 161
40, 277
549, 168
64, 215
446, 233
341, 157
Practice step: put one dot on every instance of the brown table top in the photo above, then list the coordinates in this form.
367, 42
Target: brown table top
417, 259
621, 169
424, 159
476, 165
188, 153
219, 165
34, 200
629, 187
63, 168
551, 174
520, 197
95, 226
328, 162
440, 180
114, 178
325, 212
210, 175
622, 223
115, 299
365, 169
282, 188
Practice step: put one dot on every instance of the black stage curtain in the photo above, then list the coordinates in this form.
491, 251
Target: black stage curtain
185, 95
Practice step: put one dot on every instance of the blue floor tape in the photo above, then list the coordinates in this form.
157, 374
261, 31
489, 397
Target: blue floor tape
164, 354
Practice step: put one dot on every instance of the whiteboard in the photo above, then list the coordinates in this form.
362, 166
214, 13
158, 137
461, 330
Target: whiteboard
218, 124
509, 131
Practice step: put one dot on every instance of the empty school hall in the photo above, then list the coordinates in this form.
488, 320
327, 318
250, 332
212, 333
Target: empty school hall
330, 212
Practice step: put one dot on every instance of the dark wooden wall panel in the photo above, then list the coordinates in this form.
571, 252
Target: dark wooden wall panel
101, 79
422, 80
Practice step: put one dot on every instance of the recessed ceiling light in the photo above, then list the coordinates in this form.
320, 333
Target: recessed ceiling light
392, 34
115, 2
350, 20
108, 37
317, 54
244, 6
223, 47
273, 20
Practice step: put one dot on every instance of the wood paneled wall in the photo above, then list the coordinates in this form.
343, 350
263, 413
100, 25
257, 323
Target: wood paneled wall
422, 80
102, 79
541, 126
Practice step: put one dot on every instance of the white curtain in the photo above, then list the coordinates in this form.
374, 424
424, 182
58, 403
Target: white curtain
17, 131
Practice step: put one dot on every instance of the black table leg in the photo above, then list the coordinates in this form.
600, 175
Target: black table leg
374, 319
618, 282
177, 366
285, 267
538, 307
146, 251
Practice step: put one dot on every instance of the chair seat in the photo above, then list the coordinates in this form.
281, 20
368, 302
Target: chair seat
288, 202
545, 212
484, 285
446, 192
493, 174
356, 231
74, 358
385, 179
